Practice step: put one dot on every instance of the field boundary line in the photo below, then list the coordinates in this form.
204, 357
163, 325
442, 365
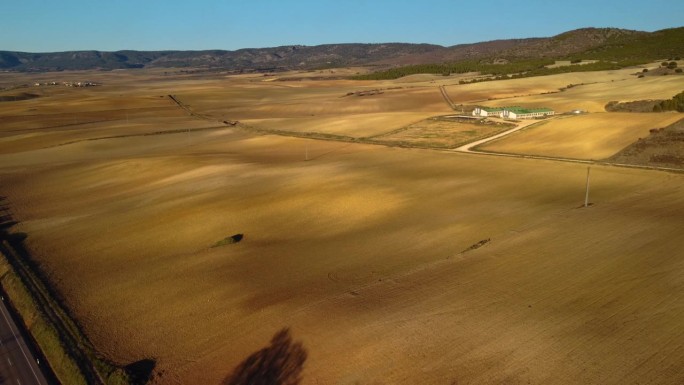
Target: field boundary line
445, 95
165, 132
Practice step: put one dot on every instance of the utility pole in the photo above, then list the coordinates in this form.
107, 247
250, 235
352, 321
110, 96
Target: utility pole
586, 195
306, 153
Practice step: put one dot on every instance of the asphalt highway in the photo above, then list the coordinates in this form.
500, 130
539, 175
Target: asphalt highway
17, 365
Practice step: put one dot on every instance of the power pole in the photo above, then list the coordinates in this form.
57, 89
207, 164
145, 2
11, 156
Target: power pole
586, 195
306, 153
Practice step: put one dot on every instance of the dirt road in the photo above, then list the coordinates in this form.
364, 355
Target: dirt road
468, 147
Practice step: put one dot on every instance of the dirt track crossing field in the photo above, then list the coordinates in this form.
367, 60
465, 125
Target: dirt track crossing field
358, 260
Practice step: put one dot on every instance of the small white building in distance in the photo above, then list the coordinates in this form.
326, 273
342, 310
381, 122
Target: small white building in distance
489, 111
513, 112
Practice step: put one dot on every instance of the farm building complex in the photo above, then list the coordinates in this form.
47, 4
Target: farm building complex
514, 112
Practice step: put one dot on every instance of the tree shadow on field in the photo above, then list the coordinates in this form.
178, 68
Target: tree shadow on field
140, 372
280, 363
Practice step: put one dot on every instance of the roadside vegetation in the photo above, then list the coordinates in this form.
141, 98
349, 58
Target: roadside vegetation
70, 355
45, 336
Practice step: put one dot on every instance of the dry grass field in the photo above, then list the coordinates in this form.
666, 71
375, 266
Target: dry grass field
363, 251
322, 107
591, 91
592, 136
595, 93
442, 132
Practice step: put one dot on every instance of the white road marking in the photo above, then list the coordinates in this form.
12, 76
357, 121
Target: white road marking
20, 347
9, 362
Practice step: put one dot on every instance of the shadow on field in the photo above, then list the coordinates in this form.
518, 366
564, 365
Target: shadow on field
140, 372
280, 363
14, 251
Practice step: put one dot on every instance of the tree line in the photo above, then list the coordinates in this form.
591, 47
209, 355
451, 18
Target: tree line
517, 69
674, 104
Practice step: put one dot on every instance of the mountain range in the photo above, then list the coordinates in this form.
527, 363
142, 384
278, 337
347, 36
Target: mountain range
585, 43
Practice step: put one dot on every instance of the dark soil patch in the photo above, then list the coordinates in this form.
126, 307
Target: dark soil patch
18, 97
662, 148
477, 245
635, 106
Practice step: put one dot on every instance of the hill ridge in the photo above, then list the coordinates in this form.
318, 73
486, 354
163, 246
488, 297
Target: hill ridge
590, 42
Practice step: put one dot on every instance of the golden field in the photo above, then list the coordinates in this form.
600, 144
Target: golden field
592, 136
442, 132
363, 251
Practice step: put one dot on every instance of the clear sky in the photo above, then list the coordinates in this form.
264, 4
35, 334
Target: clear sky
64, 25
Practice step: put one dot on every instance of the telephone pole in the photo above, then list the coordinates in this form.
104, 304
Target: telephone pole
586, 195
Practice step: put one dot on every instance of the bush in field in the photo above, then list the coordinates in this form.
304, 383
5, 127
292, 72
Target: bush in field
229, 240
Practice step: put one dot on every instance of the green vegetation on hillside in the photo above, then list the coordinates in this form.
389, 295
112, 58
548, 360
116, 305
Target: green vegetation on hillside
618, 52
517, 69
458, 68
662, 44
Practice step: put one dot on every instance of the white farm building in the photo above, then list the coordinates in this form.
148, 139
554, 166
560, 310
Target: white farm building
488, 111
514, 112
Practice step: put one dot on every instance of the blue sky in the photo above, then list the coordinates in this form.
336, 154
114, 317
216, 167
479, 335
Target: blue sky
49, 25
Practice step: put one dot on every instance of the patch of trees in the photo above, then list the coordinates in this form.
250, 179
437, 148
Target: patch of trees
659, 44
457, 68
510, 70
635, 106
674, 104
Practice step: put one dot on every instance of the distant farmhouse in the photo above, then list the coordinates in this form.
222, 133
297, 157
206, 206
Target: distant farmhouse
514, 112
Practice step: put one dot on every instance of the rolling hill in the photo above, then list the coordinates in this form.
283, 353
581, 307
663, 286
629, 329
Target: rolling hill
586, 43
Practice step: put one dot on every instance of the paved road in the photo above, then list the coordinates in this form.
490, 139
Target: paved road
17, 364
